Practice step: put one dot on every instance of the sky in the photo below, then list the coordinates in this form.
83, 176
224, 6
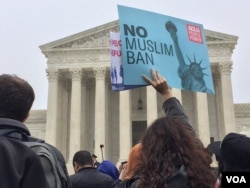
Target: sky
25, 25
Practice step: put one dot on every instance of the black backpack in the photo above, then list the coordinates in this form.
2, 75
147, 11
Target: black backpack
55, 175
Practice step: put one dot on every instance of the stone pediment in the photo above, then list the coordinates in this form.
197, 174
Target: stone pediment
96, 38
242, 107
90, 39
213, 37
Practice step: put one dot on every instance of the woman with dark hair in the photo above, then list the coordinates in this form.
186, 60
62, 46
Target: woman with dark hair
171, 155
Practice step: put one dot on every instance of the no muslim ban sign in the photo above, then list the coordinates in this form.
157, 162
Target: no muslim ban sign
175, 47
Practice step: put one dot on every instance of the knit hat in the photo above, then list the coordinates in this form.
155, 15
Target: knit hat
234, 149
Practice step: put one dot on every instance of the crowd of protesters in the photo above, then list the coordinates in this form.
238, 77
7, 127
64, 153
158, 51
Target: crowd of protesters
169, 154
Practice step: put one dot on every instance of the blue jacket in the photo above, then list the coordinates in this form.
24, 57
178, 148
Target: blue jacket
107, 167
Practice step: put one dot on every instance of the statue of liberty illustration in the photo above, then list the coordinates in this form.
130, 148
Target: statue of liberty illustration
192, 74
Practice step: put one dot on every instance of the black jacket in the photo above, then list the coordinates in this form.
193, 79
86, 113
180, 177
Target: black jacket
20, 167
178, 180
172, 107
17, 130
90, 177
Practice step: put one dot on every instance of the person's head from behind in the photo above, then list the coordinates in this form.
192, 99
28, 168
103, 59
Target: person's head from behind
16, 97
109, 168
82, 159
169, 144
134, 160
235, 153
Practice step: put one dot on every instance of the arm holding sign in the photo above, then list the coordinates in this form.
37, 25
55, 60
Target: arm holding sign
171, 106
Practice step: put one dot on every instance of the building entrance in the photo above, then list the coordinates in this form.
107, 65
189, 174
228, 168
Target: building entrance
138, 128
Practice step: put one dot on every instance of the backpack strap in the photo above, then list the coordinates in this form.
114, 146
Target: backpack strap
59, 167
5, 132
14, 134
33, 139
44, 149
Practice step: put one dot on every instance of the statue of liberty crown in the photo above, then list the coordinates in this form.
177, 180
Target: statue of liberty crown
195, 64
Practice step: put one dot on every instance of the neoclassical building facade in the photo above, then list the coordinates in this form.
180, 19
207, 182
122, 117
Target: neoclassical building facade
83, 112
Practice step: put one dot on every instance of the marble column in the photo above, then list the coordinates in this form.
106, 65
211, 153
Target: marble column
108, 128
90, 114
218, 95
202, 118
227, 106
177, 93
84, 131
152, 112
52, 107
100, 105
125, 127
65, 109
75, 113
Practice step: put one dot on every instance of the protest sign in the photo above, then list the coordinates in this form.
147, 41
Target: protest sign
174, 47
116, 68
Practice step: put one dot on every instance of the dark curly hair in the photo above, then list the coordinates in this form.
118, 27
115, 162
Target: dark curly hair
167, 145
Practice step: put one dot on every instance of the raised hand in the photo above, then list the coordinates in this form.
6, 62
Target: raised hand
159, 83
